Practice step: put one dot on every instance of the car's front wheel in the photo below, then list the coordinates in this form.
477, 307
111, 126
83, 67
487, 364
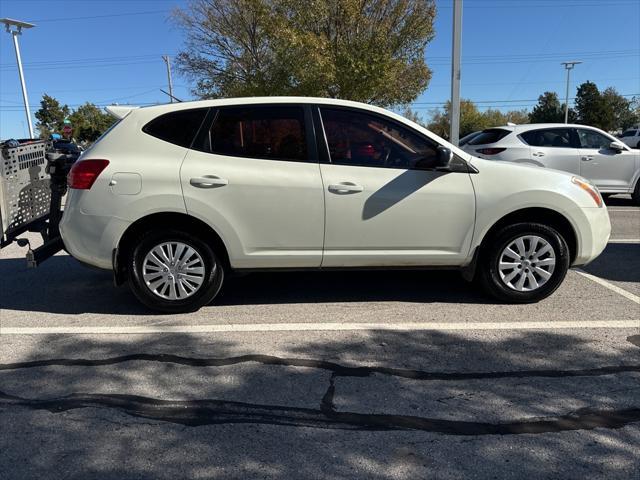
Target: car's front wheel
524, 263
174, 271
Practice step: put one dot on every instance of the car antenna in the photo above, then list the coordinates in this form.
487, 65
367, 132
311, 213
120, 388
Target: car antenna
175, 98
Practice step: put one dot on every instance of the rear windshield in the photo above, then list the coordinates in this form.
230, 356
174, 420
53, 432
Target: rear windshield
491, 135
179, 128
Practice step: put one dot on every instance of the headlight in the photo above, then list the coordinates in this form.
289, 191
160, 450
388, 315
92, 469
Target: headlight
590, 189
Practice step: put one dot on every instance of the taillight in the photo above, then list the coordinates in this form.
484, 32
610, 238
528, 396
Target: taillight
490, 151
85, 172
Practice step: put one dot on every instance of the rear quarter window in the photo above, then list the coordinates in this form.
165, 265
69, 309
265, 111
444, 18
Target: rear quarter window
492, 135
179, 128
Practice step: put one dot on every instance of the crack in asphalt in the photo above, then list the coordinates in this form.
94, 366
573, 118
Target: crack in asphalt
214, 411
336, 369
195, 413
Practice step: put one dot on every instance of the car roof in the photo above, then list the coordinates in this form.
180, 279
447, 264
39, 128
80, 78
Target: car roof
536, 126
121, 111
237, 101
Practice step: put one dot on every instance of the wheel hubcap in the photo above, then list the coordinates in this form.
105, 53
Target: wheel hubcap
527, 263
173, 270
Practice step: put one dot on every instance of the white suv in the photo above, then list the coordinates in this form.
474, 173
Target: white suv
175, 197
631, 137
609, 164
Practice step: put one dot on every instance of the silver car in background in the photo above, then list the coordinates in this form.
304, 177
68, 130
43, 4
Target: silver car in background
608, 163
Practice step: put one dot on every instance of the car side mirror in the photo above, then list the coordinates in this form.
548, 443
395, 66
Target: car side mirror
617, 146
444, 157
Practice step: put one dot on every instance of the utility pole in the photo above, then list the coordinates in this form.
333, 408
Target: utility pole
14, 27
569, 66
167, 60
454, 120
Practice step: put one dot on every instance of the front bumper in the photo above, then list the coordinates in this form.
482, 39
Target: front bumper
593, 234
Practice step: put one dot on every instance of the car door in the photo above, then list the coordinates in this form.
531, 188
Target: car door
608, 169
252, 175
554, 148
385, 203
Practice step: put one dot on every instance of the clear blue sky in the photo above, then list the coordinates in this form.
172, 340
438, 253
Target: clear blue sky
511, 52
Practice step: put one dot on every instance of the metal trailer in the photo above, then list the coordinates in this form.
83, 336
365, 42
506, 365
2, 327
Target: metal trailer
32, 185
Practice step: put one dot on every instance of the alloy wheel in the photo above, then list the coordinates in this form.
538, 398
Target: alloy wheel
527, 263
173, 270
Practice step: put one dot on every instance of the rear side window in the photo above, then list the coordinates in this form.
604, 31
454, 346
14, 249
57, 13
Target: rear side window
628, 133
263, 132
179, 128
549, 137
491, 135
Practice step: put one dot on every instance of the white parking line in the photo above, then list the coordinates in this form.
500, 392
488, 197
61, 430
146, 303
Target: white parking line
610, 286
284, 327
624, 240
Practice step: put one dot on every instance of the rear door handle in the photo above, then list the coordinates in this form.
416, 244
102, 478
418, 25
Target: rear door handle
345, 187
209, 181
538, 154
587, 158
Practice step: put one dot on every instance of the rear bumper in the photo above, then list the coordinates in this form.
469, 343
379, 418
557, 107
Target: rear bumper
91, 238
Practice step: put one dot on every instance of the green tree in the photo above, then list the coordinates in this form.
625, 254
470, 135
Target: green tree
89, 122
548, 110
412, 115
50, 117
519, 117
620, 110
369, 51
472, 119
591, 107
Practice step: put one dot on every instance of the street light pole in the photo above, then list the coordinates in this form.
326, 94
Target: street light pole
454, 120
168, 62
568, 66
15, 31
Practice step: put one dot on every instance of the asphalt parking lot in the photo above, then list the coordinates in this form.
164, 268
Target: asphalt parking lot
323, 375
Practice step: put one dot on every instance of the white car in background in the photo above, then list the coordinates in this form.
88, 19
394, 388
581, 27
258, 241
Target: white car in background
176, 197
605, 161
631, 137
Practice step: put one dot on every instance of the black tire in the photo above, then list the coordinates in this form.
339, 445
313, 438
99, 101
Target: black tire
489, 275
635, 196
213, 272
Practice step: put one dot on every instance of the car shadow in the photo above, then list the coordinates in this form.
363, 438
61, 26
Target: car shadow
619, 262
619, 200
62, 285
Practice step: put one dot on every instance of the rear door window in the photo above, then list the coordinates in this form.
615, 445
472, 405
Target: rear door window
628, 133
275, 132
491, 135
550, 137
179, 128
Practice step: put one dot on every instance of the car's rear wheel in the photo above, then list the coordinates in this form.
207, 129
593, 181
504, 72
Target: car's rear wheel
524, 263
174, 271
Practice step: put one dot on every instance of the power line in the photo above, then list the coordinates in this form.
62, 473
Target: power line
478, 103
90, 17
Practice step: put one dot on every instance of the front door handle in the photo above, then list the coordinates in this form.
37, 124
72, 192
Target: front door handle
538, 154
587, 158
345, 187
209, 181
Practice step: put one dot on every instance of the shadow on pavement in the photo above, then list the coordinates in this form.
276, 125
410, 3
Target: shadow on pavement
62, 285
378, 405
620, 200
619, 262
